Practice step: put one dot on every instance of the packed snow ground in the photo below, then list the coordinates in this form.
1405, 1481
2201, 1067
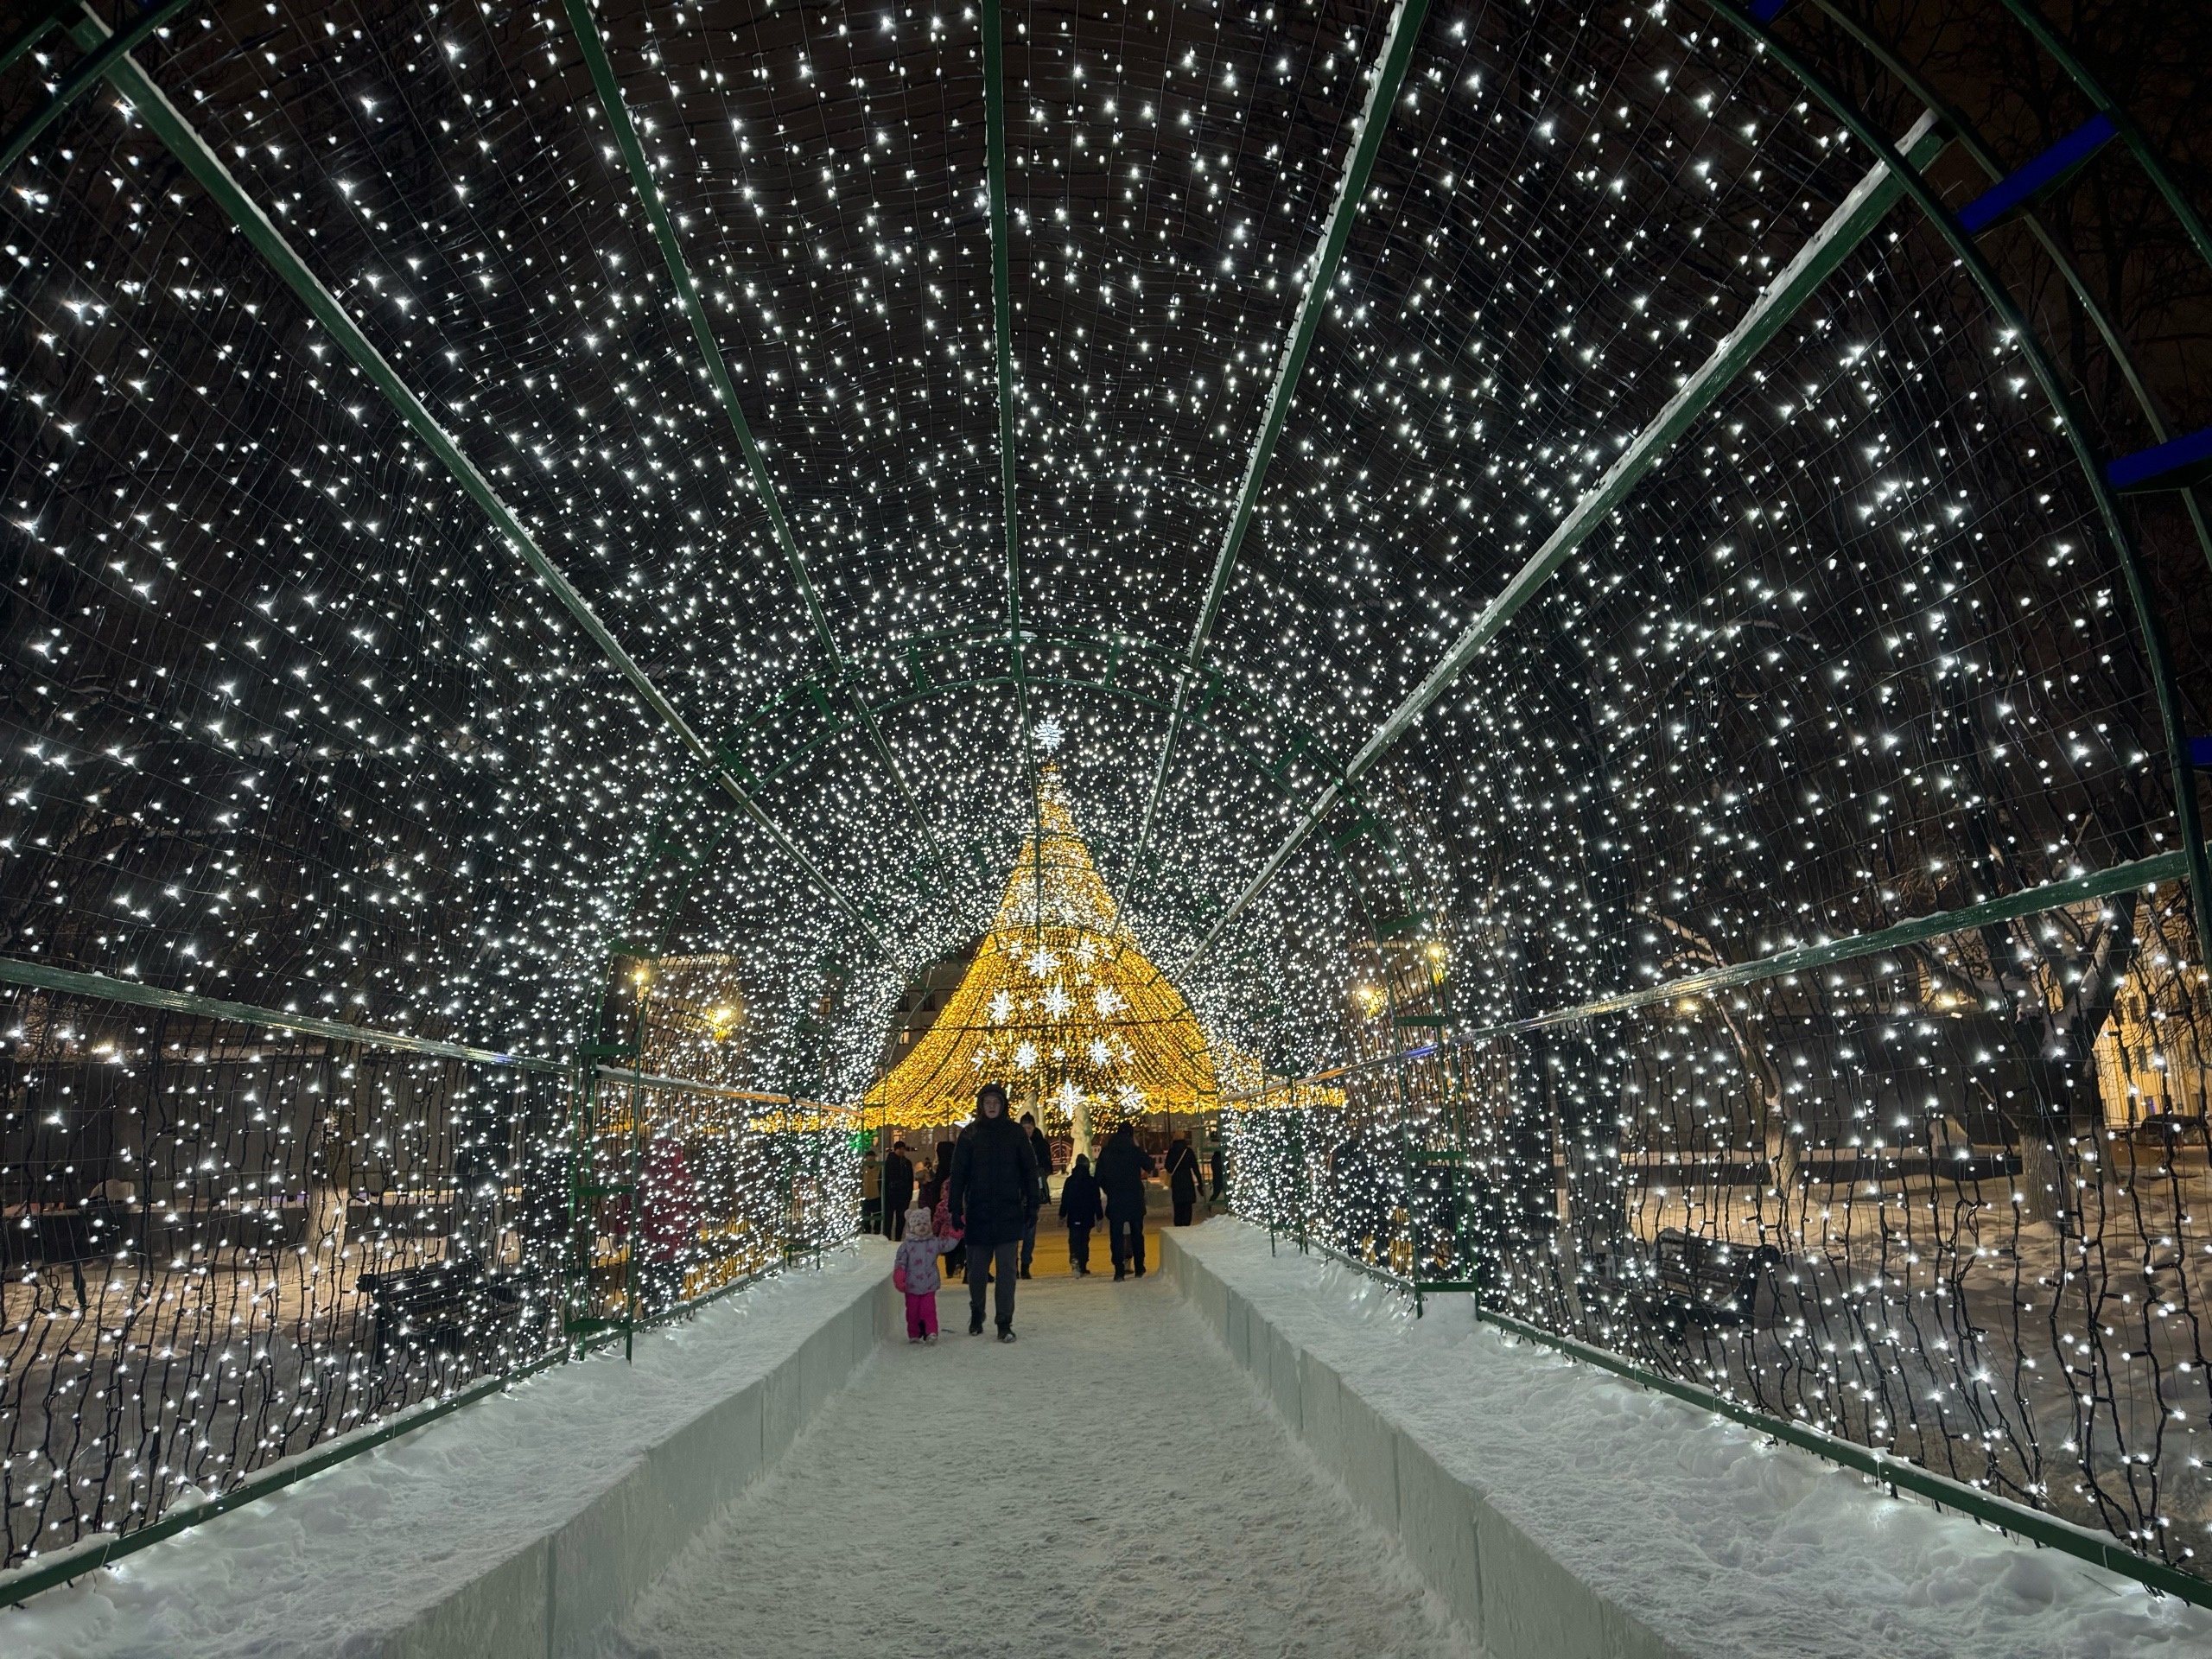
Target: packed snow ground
324, 1567
1110, 1485
1721, 1542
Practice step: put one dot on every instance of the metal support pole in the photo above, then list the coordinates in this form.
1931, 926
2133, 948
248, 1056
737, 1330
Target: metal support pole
648, 192
1359, 166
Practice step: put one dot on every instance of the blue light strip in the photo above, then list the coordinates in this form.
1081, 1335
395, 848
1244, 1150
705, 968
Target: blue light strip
2047, 169
2145, 470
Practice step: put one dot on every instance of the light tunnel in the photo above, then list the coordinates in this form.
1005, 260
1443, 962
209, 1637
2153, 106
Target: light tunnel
1604, 607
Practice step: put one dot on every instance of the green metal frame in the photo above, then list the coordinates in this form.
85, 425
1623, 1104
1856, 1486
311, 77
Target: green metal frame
1351, 190
617, 111
2154, 416
2030, 17
70, 983
1852, 221
2029, 901
35, 31
87, 73
199, 158
1896, 174
2158, 659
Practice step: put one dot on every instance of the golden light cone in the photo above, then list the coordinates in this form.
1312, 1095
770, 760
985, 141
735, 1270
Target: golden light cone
1060, 1004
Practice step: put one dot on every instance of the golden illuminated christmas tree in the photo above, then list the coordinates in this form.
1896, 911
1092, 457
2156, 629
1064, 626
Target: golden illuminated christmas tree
1060, 1006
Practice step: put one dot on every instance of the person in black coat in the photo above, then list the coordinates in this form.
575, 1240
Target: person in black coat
994, 1202
1122, 1166
1182, 1179
1041, 1150
1082, 1209
933, 1189
898, 1189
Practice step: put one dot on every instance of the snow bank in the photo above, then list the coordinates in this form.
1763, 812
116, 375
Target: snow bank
524, 1524
1561, 1511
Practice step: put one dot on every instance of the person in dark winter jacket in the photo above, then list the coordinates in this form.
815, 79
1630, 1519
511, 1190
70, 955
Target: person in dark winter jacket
935, 1192
898, 1189
1040, 1149
1122, 1166
1082, 1209
1182, 1179
993, 1203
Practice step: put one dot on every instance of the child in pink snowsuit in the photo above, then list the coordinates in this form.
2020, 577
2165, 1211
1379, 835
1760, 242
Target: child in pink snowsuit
916, 1273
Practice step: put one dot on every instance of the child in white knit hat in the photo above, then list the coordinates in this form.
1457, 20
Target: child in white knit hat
916, 1273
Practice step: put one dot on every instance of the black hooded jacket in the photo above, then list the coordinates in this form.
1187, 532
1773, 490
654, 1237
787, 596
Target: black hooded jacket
1080, 1205
1122, 1166
994, 1181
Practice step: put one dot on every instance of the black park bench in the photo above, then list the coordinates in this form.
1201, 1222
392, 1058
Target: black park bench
448, 1308
1688, 1279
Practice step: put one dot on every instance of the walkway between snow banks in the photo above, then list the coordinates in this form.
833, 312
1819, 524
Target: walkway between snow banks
1109, 1485
773, 1479
1563, 1514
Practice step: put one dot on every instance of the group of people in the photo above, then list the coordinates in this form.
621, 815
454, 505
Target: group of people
980, 1207
982, 1204
1114, 1193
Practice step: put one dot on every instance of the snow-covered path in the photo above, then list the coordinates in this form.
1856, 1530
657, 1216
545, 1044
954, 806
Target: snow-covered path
1109, 1484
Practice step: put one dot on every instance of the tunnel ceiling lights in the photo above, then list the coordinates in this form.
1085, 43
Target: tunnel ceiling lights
780, 349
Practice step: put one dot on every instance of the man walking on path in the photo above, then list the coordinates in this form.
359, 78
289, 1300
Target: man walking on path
898, 1188
1041, 1150
994, 1201
1122, 1166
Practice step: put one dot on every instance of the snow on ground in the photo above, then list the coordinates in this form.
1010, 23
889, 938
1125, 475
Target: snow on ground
360, 1546
1113, 1486
1720, 1541
1110, 1485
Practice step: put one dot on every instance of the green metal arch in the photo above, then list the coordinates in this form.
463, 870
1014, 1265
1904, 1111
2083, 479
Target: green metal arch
2154, 417
2158, 659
